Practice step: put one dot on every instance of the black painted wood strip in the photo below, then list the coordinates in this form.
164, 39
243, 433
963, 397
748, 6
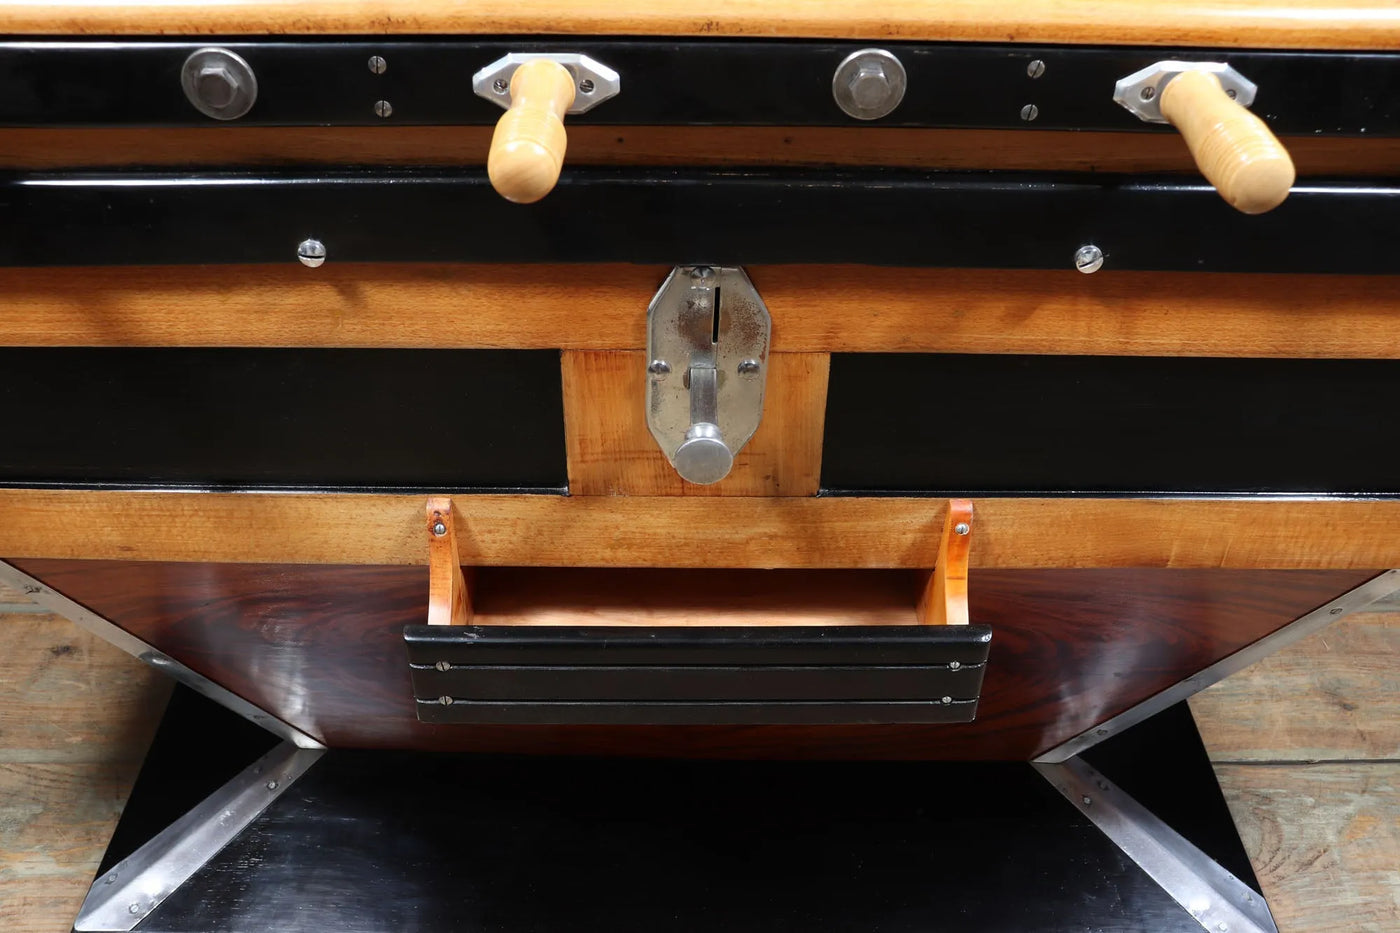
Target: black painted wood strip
400, 419
676, 81
695, 645
876, 217
672, 683
1012, 425
681, 713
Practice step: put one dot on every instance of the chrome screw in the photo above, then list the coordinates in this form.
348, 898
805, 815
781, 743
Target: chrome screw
748, 367
134, 909
586, 86
311, 253
869, 84
954, 665
443, 666
439, 529
445, 701
271, 785
500, 85
962, 528
377, 64
1029, 112
1036, 68
659, 367
383, 109
947, 700
1087, 800
1088, 259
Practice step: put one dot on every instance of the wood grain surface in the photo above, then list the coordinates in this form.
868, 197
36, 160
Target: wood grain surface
815, 309
1321, 24
611, 451
715, 531
321, 647
812, 146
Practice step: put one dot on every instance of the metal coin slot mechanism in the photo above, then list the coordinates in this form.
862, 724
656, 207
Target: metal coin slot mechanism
1232, 147
537, 90
707, 347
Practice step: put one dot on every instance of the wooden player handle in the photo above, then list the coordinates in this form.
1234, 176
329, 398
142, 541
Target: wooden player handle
527, 149
1233, 148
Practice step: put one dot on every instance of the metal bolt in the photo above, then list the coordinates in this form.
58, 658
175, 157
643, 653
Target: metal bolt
383, 109
219, 83
271, 785
659, 367
311, 253
1087, 800
216, 85
748, 367
961, 528
869, 84
1029, 112
947, 700
445, 701
954, 665
439, 529
1088, 259
377, 64
586, 86
134, 909
443, 666
500, 85
1036, 68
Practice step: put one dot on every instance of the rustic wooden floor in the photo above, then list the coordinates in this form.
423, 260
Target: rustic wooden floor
1306, 745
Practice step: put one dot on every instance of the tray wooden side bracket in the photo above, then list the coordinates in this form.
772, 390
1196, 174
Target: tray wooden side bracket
449, 601
944, 599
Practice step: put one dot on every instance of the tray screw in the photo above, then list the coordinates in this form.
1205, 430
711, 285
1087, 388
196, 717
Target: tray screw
439, 529
311, 253
1036, 68
377, 64
1088, 259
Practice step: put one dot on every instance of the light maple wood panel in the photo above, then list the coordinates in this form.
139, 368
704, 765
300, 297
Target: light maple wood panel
681, 531
611, 451
815, 309
1331, 696
1324, 840
805, 146
1342, 24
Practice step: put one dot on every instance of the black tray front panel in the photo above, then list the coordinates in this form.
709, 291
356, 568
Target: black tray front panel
926, 423
312, 418
711, 674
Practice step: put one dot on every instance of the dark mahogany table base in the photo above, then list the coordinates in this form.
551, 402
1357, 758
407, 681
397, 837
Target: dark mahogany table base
390, 841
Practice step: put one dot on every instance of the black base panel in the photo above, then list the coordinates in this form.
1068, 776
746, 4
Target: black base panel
379, 841
675, 81
302, 418
1010, 425
681, 216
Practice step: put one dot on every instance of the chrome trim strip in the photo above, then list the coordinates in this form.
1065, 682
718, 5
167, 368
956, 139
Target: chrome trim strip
1351, 601
124, 896
108, 631
1217, 899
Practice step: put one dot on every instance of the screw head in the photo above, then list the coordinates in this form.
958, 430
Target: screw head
947, 701
1088, 259
383, 109
1030, 112
439, 529
445, 700
443, 666
659, 367
1035, 68
218, 83
500, 85
377, 64
1087, 800
134, 909
954, 665
271, 785
749, 367
869, 84
311, 253
586, 86
961, 528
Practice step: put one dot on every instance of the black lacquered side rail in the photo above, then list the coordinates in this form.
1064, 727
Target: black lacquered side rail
951, 219
676, 82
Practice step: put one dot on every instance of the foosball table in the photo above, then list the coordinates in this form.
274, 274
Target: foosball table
576, 435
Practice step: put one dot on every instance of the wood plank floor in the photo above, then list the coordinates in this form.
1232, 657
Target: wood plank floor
1306, 745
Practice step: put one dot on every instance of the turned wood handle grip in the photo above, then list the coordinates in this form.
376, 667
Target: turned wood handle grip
527, 149
1233, 148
